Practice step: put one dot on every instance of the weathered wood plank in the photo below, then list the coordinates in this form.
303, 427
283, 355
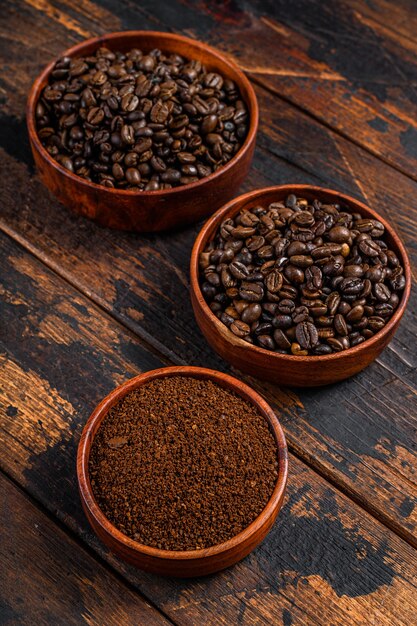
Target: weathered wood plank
48, 578
400, 17
325, 561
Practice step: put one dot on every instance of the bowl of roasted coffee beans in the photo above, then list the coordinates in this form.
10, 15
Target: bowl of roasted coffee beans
142, 130
299, 285
182, 470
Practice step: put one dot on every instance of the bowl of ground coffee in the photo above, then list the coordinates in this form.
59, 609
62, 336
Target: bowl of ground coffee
142, 130
299, 285
182, 470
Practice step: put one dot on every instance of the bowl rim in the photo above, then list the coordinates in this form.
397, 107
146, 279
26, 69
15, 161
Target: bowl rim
231, 208
250, 100
225, 380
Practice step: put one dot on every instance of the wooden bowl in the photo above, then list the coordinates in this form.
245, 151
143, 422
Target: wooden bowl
191, 562
147, 210
296, 371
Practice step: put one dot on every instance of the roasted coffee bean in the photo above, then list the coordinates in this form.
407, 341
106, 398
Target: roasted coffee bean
282, 321
95, 116
246, 218
314, 277
159, 112
133, 176
273, 281
263, 328
309, 295
306, 334
266, 342
324, 320
226, 319
369, 247
361, 324
190, 123
242, 232
336, 344
265, 253
322, 252
301, 260
381, 292
300, 314
351, 286
286, 307
238, 270
304, 218
281, 339
375, 323
322, 349
288, 292
239, 328
333, 302
227, 279
317, 308
353, 271
253, 292
355, 314
255, 243
325, 333
384, 309
339, 234
251, 313
127, 134
392, 259
270, 309
397, 279
232, 312
294, 274
344, 307
340, 325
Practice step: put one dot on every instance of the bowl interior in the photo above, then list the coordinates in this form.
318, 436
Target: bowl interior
272, 194
228, 382
147, 41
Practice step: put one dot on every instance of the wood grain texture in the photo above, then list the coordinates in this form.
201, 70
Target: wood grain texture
325, 560
48, 578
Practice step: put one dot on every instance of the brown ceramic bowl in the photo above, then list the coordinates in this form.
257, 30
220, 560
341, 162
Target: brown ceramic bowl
297, 371
190, 562
147, 210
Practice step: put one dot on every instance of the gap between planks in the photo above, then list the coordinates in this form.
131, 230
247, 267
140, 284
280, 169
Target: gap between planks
170, 358
279, 96
84, 545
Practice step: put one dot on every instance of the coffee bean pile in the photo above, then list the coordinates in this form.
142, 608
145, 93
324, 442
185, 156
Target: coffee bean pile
183, 464
140, 121
300, 277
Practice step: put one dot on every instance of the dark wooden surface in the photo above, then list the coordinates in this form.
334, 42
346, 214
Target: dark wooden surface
84, 308
51, 579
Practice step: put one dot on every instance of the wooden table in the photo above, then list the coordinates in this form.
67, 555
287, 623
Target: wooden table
83, 309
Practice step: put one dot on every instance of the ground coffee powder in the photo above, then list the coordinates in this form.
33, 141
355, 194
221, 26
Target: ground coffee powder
183, 464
